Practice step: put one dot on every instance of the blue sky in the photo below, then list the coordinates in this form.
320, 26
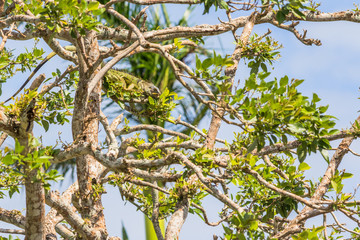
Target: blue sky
331, 70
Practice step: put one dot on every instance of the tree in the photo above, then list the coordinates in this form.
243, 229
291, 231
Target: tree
150, 66
259, 176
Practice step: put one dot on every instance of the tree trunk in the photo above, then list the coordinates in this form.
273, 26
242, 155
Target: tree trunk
35, 207
85, 126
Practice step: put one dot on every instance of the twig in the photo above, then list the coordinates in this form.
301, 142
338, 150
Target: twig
301, 37
341, 225
5, 36
156, 212
258, 177
324, 224
3, 137
356, 154
206, 217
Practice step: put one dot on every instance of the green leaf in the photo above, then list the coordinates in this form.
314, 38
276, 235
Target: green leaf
303, 166
254, 225
280, 16
297, 82
224, 5
315, 98
3, 63
45, 158
252, 146
93, 5
325, 154
296, 128
18, 147
347, 175
12, 191
207, 63
284, 81
98, 11
198, 63
151, 101
8, 159
263, 67
334, 185
301, 152
45, 124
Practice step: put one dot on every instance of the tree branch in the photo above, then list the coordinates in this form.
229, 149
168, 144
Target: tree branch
53, 200
13, 217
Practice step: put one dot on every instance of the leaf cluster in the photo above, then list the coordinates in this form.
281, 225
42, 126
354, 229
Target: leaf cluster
222, 4
294, 7
16, 165
11, 64
275, 110
78, 16
259, 51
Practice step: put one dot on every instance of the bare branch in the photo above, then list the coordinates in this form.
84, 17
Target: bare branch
152, 128
207, 219
71, 152
5, 36
186, 124
301, 37
110, 64
113, 144
3, 138
18, 18
151, 2
324, 224
54, 201
131, 25
216, 29
47, 88
13, 217
342, 226
283, 192
156, 211
53, 218
12, 231
178, 218
325, 182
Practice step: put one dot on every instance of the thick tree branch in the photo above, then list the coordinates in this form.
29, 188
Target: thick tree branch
13, 217
53, 200
156, 212
178, 218
18, 18
216, 29
12, 231
53, 218
230, 72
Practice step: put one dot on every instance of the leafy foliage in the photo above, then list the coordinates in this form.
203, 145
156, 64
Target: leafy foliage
13, 164
78, 16
260, 176
11, 64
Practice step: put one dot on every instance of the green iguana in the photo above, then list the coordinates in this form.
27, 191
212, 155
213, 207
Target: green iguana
117, 83
126, 86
